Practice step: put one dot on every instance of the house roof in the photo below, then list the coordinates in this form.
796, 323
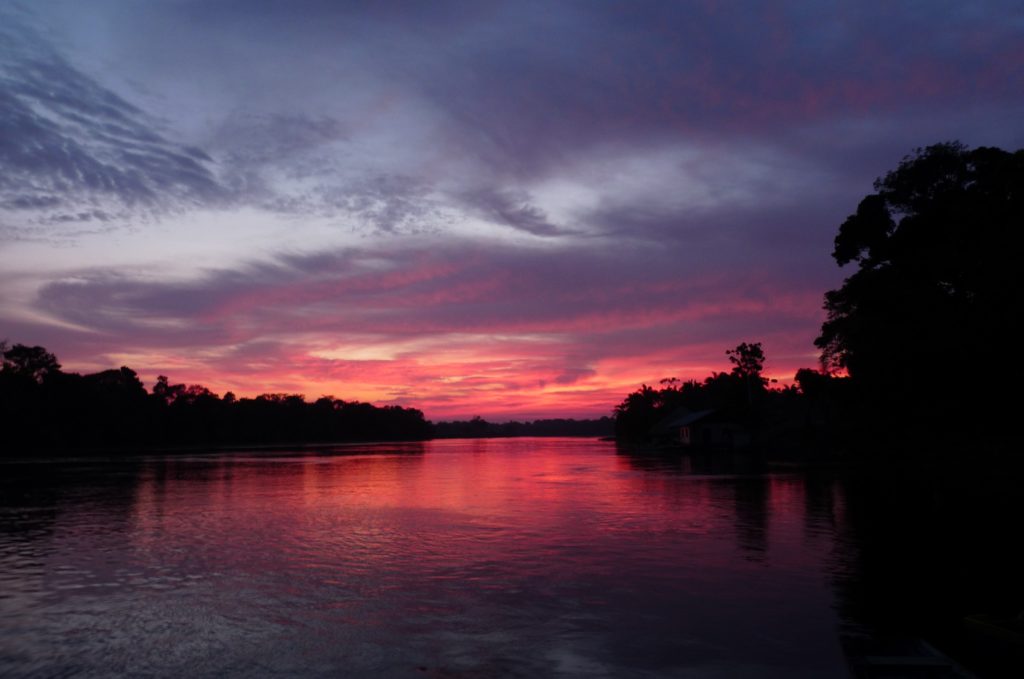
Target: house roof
680, 417
688, 418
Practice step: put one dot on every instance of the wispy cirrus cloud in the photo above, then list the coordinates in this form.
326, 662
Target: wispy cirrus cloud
73, 151
510, 208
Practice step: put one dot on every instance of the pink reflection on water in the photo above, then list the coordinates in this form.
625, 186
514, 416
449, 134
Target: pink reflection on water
456, 503
461, 554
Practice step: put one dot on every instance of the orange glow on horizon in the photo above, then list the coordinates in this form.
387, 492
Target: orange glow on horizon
500, 382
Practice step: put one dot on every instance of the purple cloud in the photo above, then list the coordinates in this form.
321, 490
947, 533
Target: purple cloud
452, 201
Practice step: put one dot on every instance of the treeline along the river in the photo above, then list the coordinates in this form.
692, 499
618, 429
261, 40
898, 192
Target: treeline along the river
43, 407
481, 428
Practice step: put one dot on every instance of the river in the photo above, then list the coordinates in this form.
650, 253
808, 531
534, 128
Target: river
460, 558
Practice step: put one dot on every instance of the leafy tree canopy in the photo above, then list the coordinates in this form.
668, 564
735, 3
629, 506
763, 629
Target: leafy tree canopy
748, 361
35, 363
937, 286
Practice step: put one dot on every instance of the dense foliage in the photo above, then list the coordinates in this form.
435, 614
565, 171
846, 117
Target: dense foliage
806, 415
937, 289
43, 407
735, 392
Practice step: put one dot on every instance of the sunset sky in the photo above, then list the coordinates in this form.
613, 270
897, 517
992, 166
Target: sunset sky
516, 210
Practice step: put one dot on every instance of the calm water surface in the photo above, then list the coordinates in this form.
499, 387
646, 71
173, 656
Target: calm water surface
521, 557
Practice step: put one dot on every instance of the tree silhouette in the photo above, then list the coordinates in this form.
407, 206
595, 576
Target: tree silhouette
747, 361
34, 363
937, 288
44, 408
737, 395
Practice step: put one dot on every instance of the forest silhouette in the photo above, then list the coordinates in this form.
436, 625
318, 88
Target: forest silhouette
478, 427
908, 342
46, 408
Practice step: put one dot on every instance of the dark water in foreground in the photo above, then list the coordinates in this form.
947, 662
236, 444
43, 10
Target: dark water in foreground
522, 557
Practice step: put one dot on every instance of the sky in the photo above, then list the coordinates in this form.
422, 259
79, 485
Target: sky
514, 210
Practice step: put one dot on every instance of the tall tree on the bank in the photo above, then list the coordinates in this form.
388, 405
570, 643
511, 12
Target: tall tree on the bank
747, 364
747, 361
937, 290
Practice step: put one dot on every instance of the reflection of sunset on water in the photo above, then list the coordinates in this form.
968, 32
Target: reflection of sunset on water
494, 513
